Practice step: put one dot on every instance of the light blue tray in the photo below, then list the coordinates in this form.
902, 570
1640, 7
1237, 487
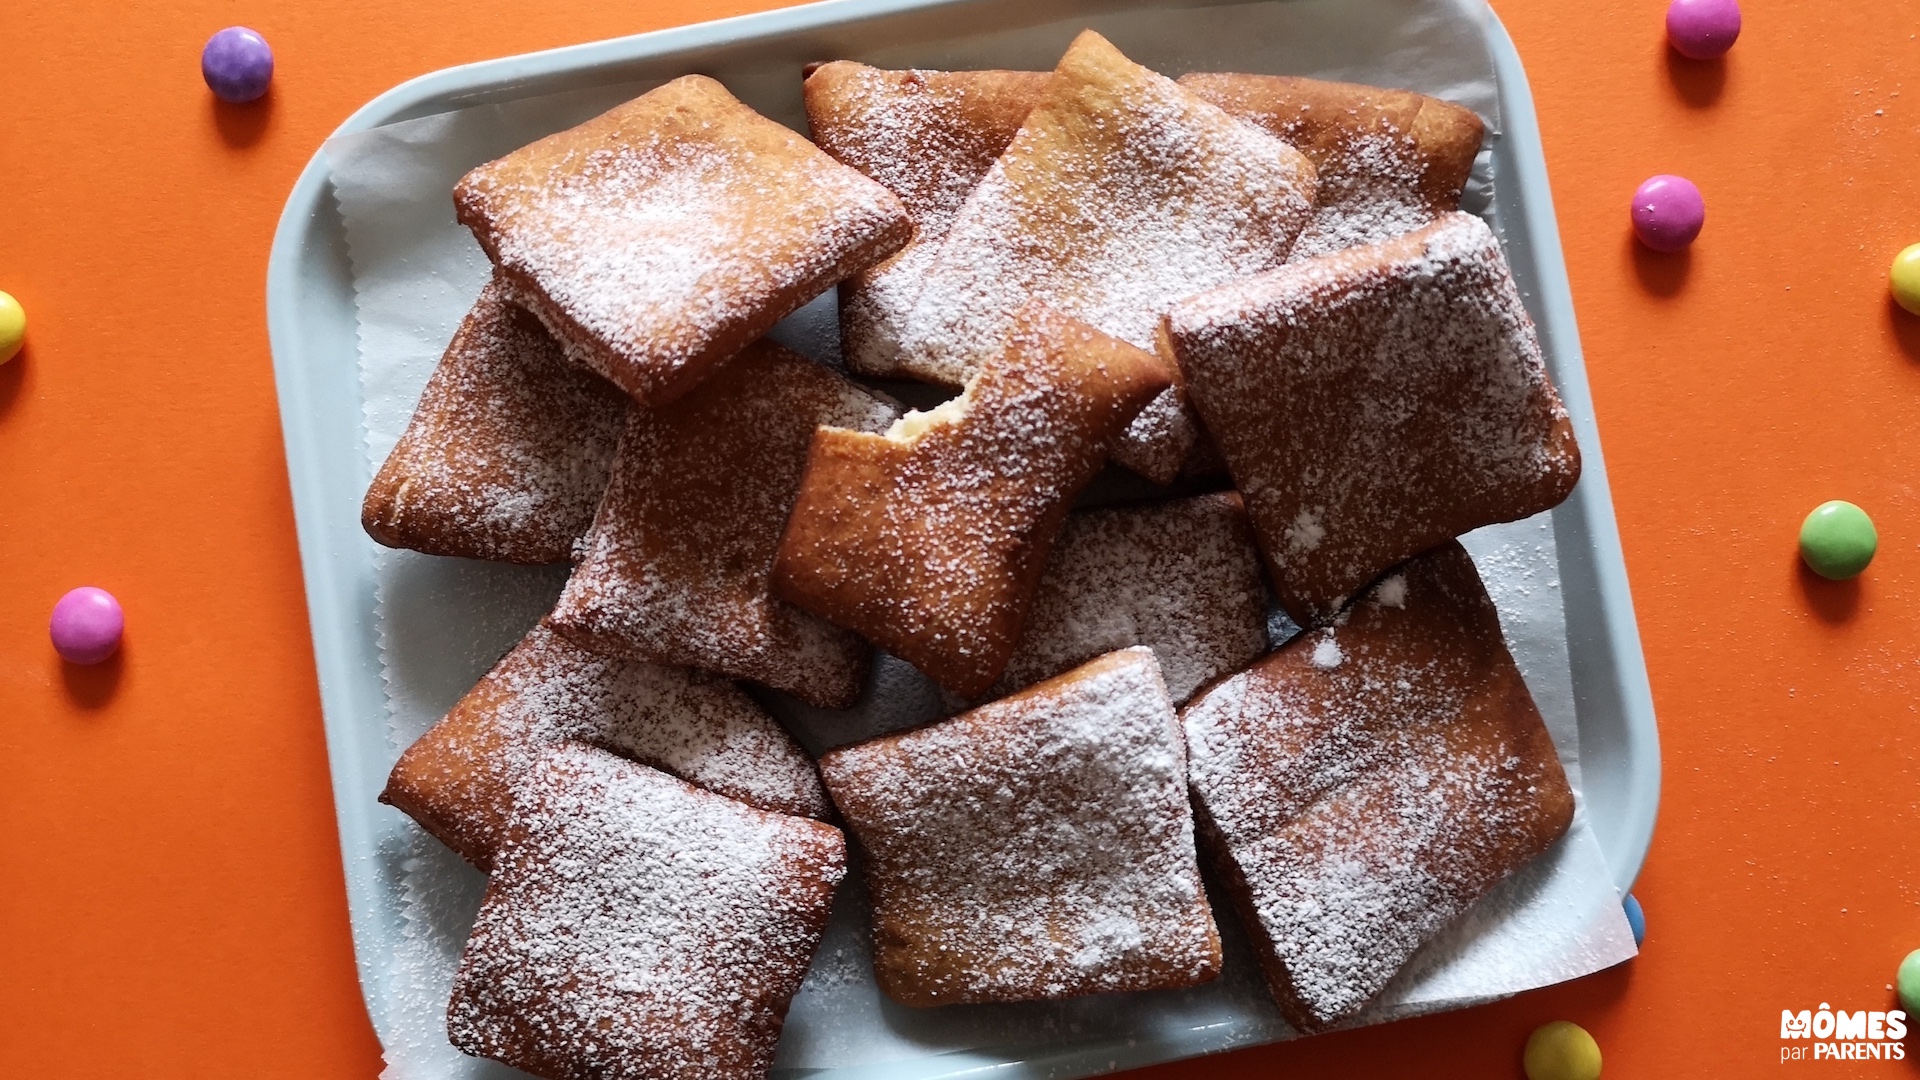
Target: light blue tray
311, 319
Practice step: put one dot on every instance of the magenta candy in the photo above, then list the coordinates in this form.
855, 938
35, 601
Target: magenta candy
86, 625
1668, 212
237, 64
1703, 29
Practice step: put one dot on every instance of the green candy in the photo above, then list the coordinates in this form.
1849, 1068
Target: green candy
1837, 540
1907, 982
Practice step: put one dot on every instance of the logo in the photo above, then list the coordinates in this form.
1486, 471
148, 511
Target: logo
1826, 1034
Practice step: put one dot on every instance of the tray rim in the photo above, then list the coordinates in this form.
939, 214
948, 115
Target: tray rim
295, 242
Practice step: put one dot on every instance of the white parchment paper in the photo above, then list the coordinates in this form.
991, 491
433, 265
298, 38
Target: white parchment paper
442, 622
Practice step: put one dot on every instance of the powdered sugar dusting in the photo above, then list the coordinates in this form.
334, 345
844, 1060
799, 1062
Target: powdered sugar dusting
636, 927
677, 566
1374, 402
1306, 532
1121, 194
1038, 847
662, 236
1182, 578
457, 779
507, 452
1392, 592
1387, 161
1108, 215
1369, 197
927, 136
1362, 805
1326, 651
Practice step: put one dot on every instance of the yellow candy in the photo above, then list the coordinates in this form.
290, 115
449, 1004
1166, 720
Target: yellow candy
13, 327
1904, 278
1562, 1051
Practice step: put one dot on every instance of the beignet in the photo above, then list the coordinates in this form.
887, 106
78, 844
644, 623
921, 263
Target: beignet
1375, 402
656, 240
1388, 161
1182, 578
1365, 784
638, 928
1038, 847
507, 452
929, 540
457, 780
1121, 194
676, 567
928, 137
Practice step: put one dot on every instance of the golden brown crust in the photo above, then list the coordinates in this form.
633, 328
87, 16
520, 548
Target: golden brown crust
1037, 847
928, 137
1376, 402
676, 568
931, 545
657, 240
507, 451
1388, 161
638, 928
457, 780
1364, 785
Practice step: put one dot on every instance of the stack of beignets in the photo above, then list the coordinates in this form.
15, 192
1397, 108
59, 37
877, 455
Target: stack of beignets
1108, 265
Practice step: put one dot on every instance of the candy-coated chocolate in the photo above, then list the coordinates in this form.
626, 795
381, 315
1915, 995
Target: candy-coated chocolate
1907, 982
1636, 919
86, 625
1903, 279
1838, 540
13, 327
237, 64
1703, 29
1668, 212
1562, 1050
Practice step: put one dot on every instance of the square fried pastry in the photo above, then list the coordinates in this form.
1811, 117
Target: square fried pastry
1038, 847
457, 780
676, 566
1375, 402
658, 239
928, 137
507, 452
930, 539
1366, 783
638, 928
1388, 161
1121, 194
1182, 578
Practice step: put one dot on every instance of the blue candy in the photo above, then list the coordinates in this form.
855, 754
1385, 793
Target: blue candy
1636, 919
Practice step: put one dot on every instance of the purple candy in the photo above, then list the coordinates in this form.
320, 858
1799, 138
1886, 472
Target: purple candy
237, 64
1703, 29
86, 625
1668, 212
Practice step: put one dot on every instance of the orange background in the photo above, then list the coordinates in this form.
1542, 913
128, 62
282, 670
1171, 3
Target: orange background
171, 901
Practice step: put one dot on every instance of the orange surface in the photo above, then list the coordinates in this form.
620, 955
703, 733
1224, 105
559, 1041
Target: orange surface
171, 900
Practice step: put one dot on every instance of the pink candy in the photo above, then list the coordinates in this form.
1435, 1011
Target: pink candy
1668, 212
1703, 29
86, 626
